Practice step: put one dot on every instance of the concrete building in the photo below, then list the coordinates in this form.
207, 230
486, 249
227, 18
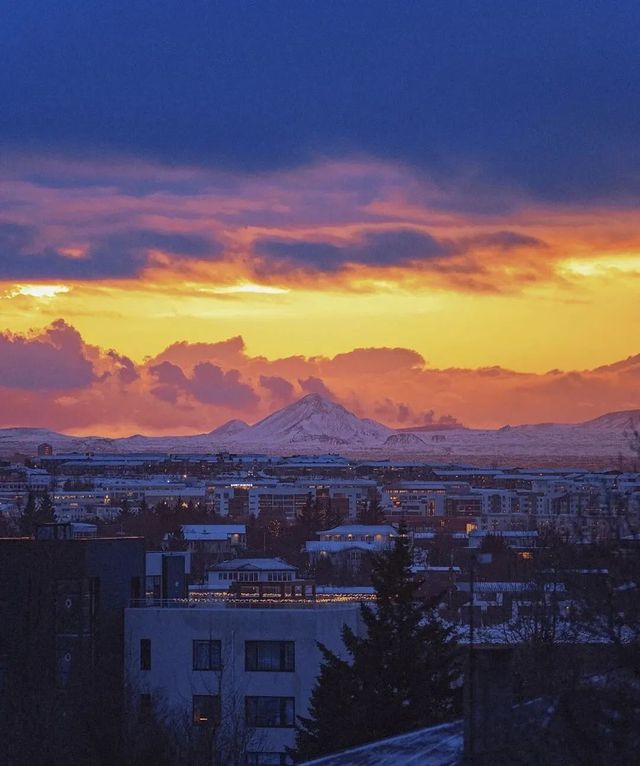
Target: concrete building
349, 546
416, 498
282, 501
242, 672
62, 603
223, 576
167, 574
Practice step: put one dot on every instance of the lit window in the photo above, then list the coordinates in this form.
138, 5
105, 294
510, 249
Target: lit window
206, 710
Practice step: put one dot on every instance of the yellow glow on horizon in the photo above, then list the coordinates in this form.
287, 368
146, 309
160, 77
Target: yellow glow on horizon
38, 291
626, 263
245, 288
534, 329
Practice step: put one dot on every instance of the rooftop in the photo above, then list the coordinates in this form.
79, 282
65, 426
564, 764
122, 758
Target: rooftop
360, 529
212, 531
435, 746
260, 565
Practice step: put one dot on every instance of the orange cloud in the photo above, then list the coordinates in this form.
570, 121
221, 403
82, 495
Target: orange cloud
191, 388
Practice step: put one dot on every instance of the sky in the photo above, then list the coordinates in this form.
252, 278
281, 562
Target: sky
427, 211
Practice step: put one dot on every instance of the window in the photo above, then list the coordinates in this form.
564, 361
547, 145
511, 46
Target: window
207, 655
145, 708
268, 759
145, 654
274, 712
269, 655
206, 709
279, 577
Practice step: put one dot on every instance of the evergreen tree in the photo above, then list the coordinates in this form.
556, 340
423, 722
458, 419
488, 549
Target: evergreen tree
310, 518
176, 539
332, 516
28, 517
46, 512
372, 512
333, 707
401, 675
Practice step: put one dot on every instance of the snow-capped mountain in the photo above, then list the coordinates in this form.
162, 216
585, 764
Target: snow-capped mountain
314, 420
626, 419
230, 429
405, 441
315, 425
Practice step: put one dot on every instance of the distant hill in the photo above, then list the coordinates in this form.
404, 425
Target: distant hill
405, 441
229, 429
315, 424
626, 419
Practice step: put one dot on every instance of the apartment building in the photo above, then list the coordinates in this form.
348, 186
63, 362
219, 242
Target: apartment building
243, 672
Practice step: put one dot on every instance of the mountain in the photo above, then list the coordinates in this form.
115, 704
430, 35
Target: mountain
314, 420
315, 425
625, 419
229, 429
405, 441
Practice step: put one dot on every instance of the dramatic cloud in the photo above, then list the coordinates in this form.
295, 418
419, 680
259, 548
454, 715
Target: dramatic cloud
542, 97
400, 248
281, 390
119, 255
387, 248
312, 385
50, 361
53, 378
208, 384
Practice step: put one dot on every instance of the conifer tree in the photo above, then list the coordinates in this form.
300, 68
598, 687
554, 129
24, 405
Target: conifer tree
310, 518
401, 675
28, 517
333, 516
372, 512
46, 511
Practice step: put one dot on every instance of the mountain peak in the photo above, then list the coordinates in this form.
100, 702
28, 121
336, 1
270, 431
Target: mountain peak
230, 428
315, 419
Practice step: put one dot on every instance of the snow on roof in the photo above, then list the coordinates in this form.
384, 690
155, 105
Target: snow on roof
421, 568
436, 746
360, 529
263, 565
335, 546
510, 587
504, 533
212, 531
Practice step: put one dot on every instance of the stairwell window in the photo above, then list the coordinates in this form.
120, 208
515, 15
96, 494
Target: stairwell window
145, 654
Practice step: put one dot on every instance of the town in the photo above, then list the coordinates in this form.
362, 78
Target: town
197, 589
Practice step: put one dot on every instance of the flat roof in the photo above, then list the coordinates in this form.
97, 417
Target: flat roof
259, 565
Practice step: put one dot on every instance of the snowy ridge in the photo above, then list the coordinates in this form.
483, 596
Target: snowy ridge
315, 425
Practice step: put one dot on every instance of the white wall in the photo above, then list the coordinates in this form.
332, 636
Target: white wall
172, 679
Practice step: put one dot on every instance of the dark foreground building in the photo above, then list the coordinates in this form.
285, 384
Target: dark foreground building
62, 602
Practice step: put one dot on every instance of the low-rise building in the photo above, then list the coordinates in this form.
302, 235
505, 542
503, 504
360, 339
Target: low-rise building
223, 576
241, 673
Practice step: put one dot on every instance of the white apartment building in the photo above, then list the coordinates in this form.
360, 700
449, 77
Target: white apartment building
243, 673
416, 498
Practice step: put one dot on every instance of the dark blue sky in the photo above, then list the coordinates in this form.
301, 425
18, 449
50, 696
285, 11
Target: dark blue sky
539, 95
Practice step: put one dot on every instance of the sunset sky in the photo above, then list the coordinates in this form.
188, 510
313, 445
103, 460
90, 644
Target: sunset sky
425, 210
